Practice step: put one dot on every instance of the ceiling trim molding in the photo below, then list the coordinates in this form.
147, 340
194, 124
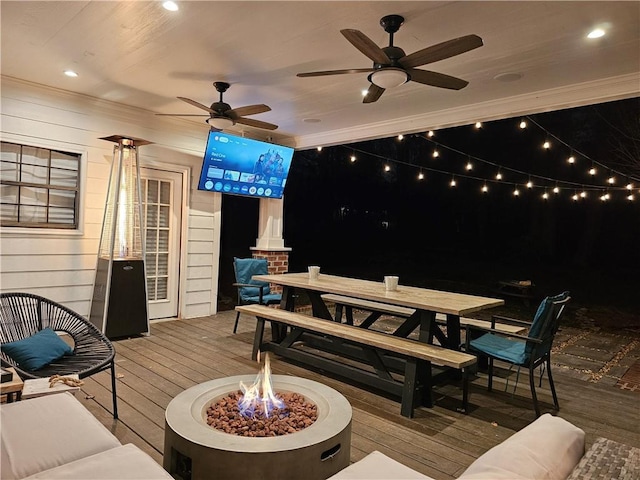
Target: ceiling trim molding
587, 93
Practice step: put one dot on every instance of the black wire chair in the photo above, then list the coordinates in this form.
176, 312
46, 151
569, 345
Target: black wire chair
24, 314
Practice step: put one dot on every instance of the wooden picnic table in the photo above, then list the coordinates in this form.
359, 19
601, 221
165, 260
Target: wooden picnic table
426, 302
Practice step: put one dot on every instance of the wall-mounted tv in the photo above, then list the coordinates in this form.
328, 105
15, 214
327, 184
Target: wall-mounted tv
241, 166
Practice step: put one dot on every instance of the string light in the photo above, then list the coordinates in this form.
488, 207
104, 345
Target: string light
571, 159
400, 137
516, 192
592, 170
430, 133
630, 197
387, 168
353, 158
478, 125
575, 197
583, 194
435, 154
453, 183
498, 175
529, 184
605, 197
485, 189
629, 186
611, 180
421, 175
523, 124
546, 145
319, 149
545, 195
556, 190
469, 166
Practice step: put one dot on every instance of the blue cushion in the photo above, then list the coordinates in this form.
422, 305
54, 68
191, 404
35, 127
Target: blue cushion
247, 267
38, 350
500, 347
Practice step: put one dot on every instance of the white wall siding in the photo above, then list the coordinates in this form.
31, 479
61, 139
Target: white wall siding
60, 264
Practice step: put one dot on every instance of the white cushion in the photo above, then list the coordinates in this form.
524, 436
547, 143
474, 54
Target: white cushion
377, 466
45, 432
548, 448
123, 463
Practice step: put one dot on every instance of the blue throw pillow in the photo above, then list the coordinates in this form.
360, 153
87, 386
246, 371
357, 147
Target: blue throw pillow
38, 350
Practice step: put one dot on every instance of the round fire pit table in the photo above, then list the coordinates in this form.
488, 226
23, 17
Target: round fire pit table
194, 450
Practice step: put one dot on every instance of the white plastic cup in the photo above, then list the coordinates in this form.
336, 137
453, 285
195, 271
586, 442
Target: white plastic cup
314, 272
390, 283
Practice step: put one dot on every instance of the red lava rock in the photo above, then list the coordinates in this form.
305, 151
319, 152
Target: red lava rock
297, 414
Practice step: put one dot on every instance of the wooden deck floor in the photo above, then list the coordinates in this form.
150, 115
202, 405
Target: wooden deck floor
438, 442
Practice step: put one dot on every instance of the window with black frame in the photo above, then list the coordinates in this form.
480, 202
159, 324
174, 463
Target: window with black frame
39, 187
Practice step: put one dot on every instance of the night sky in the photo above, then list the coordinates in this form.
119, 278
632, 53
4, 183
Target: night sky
354, 218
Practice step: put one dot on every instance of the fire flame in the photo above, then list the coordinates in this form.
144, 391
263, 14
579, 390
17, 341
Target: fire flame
259, 393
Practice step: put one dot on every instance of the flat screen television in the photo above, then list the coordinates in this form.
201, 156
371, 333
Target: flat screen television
241, 166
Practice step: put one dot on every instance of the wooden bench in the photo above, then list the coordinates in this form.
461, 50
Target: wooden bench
372, 346
377, 309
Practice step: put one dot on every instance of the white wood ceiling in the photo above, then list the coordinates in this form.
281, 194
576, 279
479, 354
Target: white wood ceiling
137, 53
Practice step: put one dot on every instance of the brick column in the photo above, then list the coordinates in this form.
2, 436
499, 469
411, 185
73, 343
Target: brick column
278, 260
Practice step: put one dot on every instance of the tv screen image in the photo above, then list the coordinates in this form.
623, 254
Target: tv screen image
242, 166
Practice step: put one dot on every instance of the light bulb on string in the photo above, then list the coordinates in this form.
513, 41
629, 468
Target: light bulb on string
575, 197
629, 186
453, 183
546, 145
421, 175
545, 195
523, 124
556, 190
604, 197
478, 125
631, 198
485, 189
611, 180
430, 133
529, 184
353, 157
469, 166
516, 192
498, 175
571, 159
319, 149
387, 168
435, 154
583, 194
592, 170
400, 137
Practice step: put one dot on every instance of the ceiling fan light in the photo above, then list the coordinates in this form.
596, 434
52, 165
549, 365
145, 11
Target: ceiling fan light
220, 123
389, 77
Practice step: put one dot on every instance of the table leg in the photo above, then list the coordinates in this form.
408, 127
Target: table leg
453, 331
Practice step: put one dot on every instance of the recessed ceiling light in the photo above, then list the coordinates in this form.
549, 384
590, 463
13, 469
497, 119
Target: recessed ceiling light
70, 73
508, 77
171, 6
596, 33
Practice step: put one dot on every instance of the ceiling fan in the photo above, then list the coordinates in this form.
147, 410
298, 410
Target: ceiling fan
392, 67
222, 116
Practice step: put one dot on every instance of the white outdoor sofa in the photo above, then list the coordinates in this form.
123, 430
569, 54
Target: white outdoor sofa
56, 437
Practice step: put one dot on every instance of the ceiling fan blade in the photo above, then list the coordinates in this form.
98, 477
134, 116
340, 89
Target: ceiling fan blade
373, 94
366, 46
335, 72
180, 115
196, 104
436, 79
248, 110
256, 123
441, 51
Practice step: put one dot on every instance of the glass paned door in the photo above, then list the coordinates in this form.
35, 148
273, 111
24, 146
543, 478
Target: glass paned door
162, 194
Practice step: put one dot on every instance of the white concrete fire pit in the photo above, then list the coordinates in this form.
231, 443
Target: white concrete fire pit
194, 450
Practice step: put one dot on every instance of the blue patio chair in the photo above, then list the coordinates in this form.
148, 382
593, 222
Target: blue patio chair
252, 291
530, 351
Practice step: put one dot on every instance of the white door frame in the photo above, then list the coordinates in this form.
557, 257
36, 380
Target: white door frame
185, 171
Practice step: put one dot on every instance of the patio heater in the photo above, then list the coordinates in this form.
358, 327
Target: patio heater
119, 303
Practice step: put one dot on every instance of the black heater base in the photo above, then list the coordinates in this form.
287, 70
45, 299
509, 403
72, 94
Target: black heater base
127, 304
